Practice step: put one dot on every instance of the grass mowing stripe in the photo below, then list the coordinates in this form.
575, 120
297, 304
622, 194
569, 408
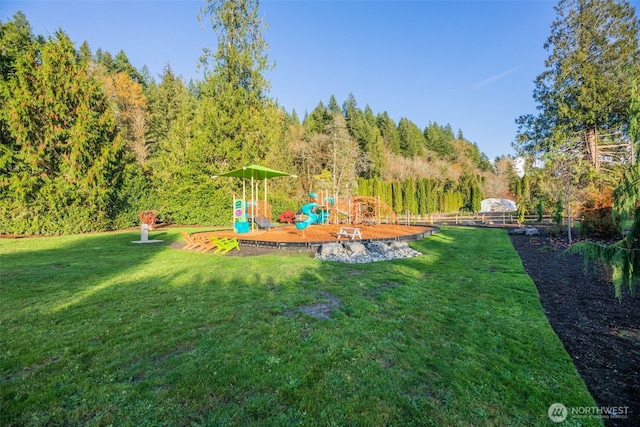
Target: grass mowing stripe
95, 330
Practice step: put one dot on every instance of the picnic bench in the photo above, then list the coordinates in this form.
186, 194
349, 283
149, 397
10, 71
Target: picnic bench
351, 232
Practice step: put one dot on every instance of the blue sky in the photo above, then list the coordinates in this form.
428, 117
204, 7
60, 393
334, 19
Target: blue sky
471, 64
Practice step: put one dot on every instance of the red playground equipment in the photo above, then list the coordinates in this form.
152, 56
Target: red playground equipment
359, 210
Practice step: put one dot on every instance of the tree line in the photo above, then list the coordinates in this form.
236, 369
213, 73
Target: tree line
87, 140
424, 196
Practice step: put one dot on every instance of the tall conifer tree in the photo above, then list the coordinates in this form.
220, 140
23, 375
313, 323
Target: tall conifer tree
67, 153
585, 87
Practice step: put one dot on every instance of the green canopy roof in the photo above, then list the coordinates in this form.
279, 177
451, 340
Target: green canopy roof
256, 172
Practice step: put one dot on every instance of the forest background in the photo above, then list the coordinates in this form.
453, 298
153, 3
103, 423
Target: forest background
87, 141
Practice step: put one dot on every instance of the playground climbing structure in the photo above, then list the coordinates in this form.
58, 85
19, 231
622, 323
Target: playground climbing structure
362, 210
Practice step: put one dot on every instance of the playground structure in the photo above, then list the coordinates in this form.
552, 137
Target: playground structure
362, 210
315, 214
357, 210
353, 210
254, 174
258, 211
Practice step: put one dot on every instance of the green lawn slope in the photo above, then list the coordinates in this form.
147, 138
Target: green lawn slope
95, 330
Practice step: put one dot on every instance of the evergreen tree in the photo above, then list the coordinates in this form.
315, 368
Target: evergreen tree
363, 187
84, 53
469, 188
317, 121
15, 38
375, 145
389, 132
448, 132
295, 120
387, 193
280, 156
586, 86
66, 160
378, 188
333, 107
105, 59
421, 196
412, 140
438, 141
240, 61
123, 65
396, 189
431, 190
234, 111
362, 127
233, 124
165, 101
409, 195
623, 256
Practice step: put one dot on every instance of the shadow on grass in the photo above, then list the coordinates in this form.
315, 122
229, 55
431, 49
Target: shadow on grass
49, 273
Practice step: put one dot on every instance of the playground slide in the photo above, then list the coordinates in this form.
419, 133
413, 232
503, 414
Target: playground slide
307, 210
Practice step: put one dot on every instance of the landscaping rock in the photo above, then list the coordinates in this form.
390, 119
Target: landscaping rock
357, 253
399, 245
355, 248
528, 231
531, 231
331, 249
378, 247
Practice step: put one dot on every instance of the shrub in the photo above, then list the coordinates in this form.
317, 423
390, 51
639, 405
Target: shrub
287, 216
540, 210
596, 217
599, 222
557, 215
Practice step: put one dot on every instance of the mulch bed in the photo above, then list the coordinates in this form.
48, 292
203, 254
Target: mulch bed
600, 333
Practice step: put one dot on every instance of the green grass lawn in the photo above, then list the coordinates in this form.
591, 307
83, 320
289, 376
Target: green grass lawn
95, 330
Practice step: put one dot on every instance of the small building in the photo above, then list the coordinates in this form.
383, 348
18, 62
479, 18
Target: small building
497, 205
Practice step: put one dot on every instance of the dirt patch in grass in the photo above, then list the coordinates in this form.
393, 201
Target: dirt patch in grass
598, 331
321, 310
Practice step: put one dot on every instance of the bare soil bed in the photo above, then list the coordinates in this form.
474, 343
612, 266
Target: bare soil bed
600, 333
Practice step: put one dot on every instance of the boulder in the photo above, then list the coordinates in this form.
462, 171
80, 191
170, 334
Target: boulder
528, 231
398, 245
331, 249
531, 231
355, 248
378, 247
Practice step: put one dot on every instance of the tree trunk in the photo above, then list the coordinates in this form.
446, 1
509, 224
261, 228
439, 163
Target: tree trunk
591, 142
569, 219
